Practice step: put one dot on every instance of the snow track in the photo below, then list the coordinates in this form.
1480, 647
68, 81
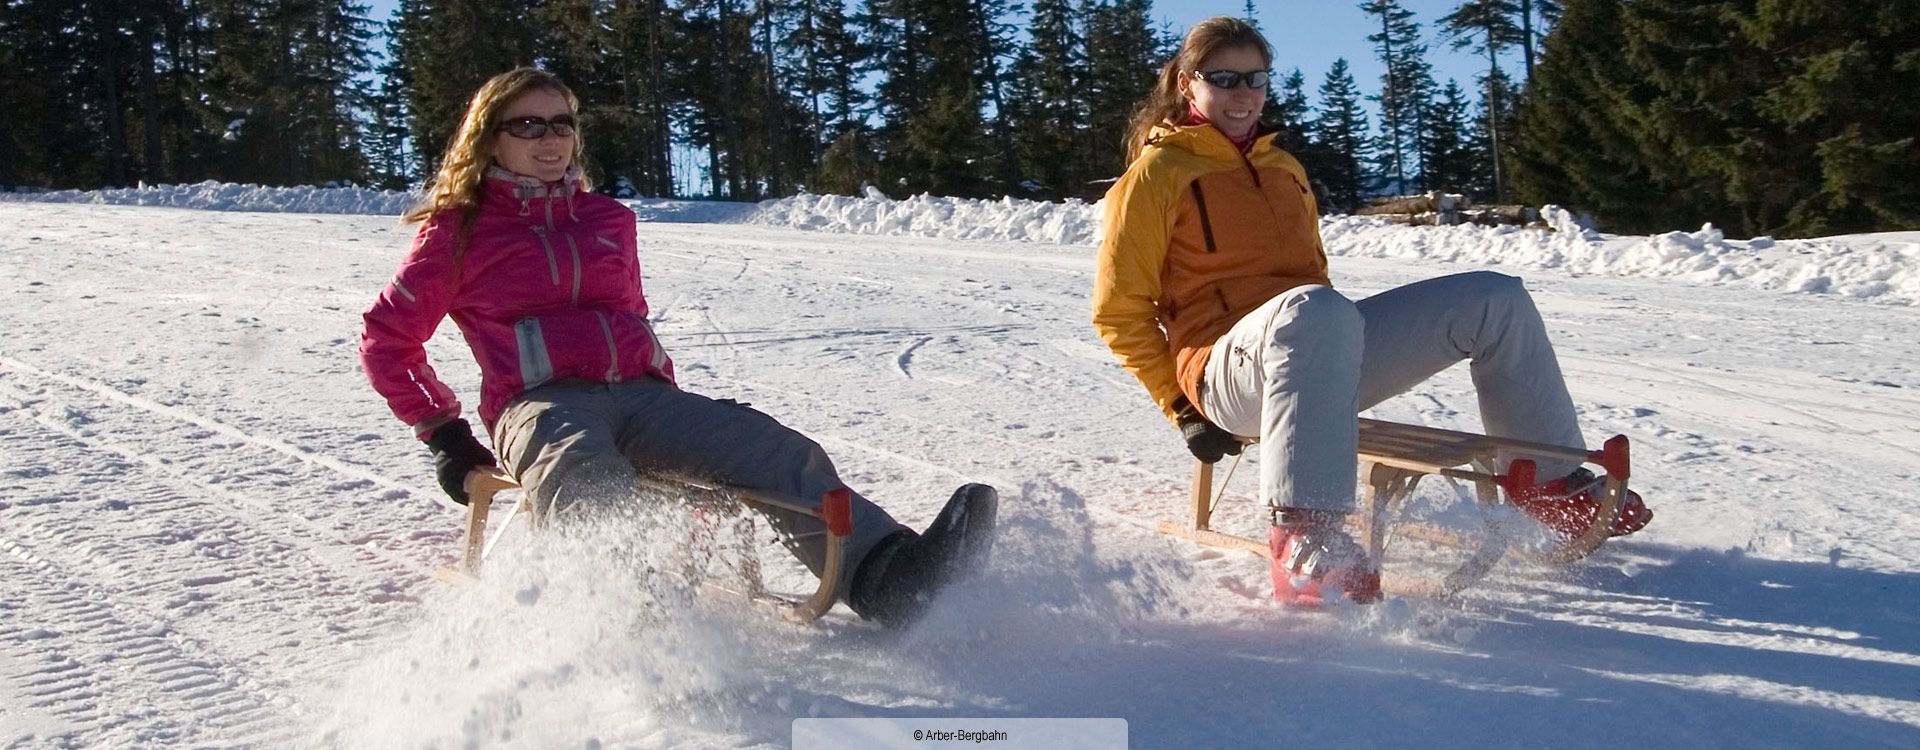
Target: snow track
212, 534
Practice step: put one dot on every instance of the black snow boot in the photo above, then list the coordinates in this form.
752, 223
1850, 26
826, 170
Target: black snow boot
901, 575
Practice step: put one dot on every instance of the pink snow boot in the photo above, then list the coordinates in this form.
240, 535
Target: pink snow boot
1316, 562
1568, 504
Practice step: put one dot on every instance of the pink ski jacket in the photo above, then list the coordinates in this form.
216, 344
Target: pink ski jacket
549, 290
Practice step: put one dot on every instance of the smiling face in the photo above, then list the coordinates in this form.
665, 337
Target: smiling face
1234, 111
545, 158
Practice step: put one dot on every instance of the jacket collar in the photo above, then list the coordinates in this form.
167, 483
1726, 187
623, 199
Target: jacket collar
507, 186
521, 187
1207, 141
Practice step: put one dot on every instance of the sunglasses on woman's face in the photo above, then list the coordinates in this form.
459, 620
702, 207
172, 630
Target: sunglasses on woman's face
1226, 79
533, 128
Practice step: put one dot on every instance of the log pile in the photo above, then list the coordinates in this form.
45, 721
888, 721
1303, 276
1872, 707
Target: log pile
1447, 209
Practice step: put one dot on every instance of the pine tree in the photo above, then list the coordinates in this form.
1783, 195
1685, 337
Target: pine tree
1046, 111
1293, 117
451, 47
1341, 128
1290, 112
1446, 155
991, 39
49, 85
1849, 102
631, 101
715, 88
1405, 91
1124, 54
823, 59
1575, 149
390, 154
286, 76
936, 59
1487, 27
1802, 119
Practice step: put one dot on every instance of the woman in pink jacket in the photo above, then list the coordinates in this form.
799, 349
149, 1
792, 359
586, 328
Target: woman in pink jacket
543, 280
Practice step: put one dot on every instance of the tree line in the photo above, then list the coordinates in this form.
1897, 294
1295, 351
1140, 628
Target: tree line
1765, 116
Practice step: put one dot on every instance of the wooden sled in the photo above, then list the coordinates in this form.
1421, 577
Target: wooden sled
835, 510
1393, 459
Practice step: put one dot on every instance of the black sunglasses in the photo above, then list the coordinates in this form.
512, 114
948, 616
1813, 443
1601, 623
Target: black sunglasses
1226, 79
534, 128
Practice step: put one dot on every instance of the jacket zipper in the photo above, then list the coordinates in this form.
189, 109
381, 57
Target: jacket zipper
553, 261
574, 247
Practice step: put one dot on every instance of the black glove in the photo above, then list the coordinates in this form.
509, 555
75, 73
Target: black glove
455, 453
1205, 440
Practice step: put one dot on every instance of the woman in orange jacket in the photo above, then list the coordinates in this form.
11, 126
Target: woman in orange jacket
1212, 289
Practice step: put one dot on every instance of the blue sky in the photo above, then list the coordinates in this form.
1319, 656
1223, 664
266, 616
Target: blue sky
1311, 34
1306, 34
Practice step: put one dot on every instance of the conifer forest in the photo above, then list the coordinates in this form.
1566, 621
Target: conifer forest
1781, 117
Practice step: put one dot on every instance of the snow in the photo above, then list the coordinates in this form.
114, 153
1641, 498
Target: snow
1883, 267
212, 533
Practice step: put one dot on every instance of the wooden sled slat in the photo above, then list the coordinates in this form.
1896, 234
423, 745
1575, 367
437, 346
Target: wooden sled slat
835, 510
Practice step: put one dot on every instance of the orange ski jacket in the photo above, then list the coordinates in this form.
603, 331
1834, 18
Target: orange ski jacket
1196, 235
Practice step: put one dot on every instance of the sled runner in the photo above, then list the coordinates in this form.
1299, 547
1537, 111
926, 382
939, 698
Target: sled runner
1393, 459
835, 510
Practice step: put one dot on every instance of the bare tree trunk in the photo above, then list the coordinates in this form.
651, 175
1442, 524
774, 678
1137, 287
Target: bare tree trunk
776, 184
730, 118
154, 170
1493, 118
107, 63
1526, 33
661, 155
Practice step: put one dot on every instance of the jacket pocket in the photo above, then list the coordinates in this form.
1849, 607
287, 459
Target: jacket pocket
536, 366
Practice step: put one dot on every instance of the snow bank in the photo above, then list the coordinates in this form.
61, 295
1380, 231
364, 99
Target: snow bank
1881, 267
1069, 223
1884, 267
222, 196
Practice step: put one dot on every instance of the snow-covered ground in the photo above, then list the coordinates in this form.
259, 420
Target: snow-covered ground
212, 533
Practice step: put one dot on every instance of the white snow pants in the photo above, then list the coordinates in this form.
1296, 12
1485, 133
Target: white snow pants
577, 447
1297, 371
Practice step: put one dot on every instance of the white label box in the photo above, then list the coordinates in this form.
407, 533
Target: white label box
946, 733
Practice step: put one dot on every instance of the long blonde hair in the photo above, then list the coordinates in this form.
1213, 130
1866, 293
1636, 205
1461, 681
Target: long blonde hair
1166, 103
463, 168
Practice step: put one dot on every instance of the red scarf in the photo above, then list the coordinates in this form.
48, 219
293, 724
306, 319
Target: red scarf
1243, 143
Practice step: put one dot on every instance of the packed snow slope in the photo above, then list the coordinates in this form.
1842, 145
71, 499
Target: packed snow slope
212, 533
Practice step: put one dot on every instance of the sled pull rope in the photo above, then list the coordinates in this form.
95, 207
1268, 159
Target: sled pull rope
1213, 502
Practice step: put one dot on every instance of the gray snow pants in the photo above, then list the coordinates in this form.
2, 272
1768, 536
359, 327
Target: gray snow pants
1297, 371
577, 446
